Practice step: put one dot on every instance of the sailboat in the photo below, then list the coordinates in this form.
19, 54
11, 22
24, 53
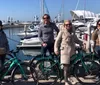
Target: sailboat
29, 32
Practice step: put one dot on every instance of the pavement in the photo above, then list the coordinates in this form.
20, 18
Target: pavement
44, 82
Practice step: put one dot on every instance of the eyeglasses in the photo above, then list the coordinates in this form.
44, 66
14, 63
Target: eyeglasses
67, 24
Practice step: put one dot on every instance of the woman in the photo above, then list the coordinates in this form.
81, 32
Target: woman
66, 40
96, 38
4, 47
96, 42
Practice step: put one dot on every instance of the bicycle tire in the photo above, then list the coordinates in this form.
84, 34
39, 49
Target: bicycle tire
35, 59
7, 78
30, 73
81, 75
48, 71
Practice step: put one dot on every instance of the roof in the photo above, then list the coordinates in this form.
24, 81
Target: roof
81, 14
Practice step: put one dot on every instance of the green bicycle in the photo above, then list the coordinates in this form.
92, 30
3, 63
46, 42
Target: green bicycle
50, 69
15, 71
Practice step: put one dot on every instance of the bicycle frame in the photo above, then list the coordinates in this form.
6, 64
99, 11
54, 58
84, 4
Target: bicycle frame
13, 62
78, 57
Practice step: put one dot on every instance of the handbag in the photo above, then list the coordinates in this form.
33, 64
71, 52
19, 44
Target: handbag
2, 51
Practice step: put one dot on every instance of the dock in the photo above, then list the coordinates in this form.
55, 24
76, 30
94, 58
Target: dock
29, 46
13, 26
43, 82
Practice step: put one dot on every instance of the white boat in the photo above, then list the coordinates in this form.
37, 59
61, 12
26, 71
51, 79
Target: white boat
83, 17
29, 31
32, 42
78, 23
31, 52
27, 34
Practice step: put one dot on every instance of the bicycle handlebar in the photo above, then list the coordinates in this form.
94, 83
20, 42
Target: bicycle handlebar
15, 51
78, 48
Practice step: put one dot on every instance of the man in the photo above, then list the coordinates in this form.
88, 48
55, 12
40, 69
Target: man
4, 47
46, 34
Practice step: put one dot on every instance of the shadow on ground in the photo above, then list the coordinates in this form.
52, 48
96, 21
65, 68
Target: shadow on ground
31, 83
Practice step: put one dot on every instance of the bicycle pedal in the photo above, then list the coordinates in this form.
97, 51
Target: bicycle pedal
6, 80
33, 65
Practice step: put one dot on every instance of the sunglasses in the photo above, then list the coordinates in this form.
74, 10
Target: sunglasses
68, 24
98, 24
45, 18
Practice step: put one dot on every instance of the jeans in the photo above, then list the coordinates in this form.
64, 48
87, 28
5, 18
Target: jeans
49, 47
97, 49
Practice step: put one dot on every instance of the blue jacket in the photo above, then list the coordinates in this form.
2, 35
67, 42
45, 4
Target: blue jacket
3, 41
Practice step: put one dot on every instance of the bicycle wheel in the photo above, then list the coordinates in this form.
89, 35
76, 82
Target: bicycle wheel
5, 75
48, 71
83, 76
35, 59
29, 76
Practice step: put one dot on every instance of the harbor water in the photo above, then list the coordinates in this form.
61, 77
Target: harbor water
14, 41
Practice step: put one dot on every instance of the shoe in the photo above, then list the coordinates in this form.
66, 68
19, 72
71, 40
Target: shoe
71, 81
66, 83
97, 79
78, 83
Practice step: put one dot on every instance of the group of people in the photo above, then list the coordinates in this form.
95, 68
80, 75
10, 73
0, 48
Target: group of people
64, 44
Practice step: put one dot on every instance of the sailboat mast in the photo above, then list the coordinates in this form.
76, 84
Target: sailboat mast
84, 9
42, 8
63, 10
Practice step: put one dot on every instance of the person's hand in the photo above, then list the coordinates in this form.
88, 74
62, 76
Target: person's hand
44, 44
84, 45
56, 52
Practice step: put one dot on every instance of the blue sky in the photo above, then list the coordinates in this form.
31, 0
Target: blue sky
26, 9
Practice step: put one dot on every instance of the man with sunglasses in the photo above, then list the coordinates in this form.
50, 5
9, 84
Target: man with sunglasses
46, 34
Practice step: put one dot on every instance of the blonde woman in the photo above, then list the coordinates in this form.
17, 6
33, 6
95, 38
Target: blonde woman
66, 40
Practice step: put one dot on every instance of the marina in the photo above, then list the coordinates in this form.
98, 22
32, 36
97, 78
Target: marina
14, 40
21, 22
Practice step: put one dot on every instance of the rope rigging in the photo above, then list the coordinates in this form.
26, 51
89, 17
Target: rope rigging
13, 40
46, 7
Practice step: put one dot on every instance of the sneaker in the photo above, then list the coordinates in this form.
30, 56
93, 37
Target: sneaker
97, 79
71, 81
66, 83
78, 83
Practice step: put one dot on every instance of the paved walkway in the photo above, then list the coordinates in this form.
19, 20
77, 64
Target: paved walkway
43, 82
